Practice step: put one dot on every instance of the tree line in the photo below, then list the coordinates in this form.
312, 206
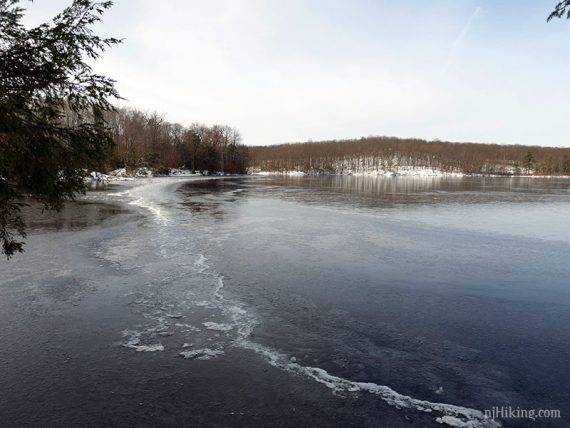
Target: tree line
390, 153
146, 139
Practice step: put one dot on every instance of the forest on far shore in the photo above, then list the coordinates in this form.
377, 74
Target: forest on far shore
146, 139
391, 153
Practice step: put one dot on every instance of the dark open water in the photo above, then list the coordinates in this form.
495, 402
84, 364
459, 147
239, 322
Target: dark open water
326, 301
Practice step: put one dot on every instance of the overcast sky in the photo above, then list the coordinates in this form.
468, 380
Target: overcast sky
293, 70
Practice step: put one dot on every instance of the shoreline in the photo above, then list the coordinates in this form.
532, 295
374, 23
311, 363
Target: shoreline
386, 174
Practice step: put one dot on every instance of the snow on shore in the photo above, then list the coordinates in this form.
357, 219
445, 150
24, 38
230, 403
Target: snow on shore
121, 174
406, 171
402, 171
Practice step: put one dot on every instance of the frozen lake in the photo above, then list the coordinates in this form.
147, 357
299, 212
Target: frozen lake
316, 301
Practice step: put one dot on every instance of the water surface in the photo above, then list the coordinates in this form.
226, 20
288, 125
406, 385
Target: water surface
323, 301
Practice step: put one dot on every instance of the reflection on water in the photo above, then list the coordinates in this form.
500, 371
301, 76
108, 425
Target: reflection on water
73, 216
351, 192
394, 191
211, 196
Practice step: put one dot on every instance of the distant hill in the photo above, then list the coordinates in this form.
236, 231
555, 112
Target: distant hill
391, 155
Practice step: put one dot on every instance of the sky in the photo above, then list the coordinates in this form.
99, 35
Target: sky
279, 71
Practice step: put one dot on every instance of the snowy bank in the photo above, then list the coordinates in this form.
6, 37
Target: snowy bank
121, 174
402, 171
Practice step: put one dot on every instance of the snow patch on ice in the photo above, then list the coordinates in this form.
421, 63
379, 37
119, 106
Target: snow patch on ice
455, 422
218, 290
204, 304
200, 263
154, 209
134, 342
217, 326
188, 327
201, 354
148, 348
